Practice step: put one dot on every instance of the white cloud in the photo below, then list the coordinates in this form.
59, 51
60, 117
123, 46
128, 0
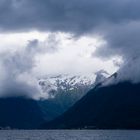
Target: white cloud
74, 56
34, 55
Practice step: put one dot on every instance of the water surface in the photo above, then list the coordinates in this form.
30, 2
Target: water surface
69, 135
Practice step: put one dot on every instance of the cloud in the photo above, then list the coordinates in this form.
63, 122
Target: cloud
77, 16
16, 69
117, 22
123, 40
16, 65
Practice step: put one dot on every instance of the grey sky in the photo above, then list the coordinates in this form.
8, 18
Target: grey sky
73, 16
116, 23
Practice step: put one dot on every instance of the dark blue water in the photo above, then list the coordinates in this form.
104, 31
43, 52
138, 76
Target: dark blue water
70, 135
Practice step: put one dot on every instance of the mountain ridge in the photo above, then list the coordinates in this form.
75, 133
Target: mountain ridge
113, 106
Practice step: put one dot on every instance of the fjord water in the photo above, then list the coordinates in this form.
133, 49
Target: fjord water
70, 135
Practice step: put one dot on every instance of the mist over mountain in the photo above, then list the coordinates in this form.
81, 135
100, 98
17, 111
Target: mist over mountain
19, 111
53, 85
63, 91
114, 106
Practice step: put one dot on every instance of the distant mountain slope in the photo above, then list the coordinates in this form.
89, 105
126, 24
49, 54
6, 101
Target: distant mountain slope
63, 91
115, 106
21, 113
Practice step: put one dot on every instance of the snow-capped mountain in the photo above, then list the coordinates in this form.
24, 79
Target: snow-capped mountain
80, 84
66, 83
62, 92
115, 106
65, 90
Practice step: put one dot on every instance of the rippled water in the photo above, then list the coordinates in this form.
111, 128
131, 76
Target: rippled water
70, 135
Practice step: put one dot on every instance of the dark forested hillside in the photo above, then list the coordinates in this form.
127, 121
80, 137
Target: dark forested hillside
115, 106
21, 113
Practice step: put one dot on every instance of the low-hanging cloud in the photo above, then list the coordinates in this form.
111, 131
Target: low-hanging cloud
14, 66
123, 40
16, 75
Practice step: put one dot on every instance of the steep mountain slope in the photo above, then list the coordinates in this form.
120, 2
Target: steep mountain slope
21, 113
62, 92
115, 106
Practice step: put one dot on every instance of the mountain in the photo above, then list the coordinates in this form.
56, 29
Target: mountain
53, 85
62, 92
114, 106
19, 113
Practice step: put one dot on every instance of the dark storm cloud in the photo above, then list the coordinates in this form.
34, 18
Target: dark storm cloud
123, 39
77, 16
118, 22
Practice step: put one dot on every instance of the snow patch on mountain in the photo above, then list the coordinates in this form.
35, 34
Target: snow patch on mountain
52, 84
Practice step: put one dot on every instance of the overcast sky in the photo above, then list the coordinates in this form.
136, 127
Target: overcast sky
49, 37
